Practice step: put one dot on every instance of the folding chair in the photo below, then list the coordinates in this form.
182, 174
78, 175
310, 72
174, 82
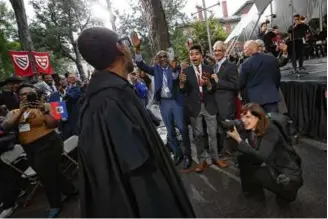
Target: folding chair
10, 158
69, 145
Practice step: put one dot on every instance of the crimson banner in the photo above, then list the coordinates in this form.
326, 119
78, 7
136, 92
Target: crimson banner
21, 62
42, 62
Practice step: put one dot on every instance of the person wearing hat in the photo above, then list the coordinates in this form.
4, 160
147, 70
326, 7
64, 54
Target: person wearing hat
8, 96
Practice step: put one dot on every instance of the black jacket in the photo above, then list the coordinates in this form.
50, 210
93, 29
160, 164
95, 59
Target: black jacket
192, 93
273, 150
125, 169
226, 89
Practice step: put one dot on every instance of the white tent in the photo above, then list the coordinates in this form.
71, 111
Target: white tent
261, 11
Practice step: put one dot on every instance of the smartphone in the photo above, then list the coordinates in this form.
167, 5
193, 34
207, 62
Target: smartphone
170, 54
32, 97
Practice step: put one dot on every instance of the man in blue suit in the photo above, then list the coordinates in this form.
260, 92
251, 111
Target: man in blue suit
260, 78
166, 93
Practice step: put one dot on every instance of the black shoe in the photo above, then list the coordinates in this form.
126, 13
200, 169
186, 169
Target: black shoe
177, 160
186, 163
302, 68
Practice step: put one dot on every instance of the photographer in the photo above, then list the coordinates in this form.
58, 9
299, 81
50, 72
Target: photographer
43, 146
267, 160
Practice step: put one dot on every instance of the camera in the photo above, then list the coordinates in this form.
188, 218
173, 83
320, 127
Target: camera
228, 125
32, 97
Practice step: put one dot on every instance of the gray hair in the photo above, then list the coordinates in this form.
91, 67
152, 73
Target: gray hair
220, 44
161, 52
259, 42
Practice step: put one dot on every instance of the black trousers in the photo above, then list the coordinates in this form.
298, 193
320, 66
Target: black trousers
270, 107
11, 183
254, 178
185, 136
298, 54
45, 156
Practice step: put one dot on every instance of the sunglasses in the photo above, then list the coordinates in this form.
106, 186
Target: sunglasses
125, 41
162, 57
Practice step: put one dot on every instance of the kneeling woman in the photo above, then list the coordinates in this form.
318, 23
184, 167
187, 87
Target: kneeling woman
267, 160
41, 143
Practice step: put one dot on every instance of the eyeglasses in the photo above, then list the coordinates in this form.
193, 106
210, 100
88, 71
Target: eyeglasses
162, 57
125, 41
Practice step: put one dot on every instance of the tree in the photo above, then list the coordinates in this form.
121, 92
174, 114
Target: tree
57, 24
8, 40
135, 21
23, 30
158, 29
199, 32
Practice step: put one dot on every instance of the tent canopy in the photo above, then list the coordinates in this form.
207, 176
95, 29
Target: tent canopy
284, 15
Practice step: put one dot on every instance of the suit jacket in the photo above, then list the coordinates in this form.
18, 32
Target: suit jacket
192, 93
260, 79
157, 72
226, 89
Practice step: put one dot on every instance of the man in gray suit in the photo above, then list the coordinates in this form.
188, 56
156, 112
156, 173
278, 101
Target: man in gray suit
226, 83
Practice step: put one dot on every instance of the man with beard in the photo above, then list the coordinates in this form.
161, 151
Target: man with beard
125, 168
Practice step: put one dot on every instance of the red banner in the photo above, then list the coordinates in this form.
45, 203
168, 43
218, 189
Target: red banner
21, 63
42, 62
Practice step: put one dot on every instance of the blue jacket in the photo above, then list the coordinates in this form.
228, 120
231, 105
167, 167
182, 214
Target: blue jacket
142, 91
157, 72
260, 79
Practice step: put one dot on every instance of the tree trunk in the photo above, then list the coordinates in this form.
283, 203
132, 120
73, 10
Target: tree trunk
78, 62
158, 29
21, 19
23, 31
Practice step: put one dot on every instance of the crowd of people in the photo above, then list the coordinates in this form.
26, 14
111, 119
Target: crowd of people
28, 120
123, 161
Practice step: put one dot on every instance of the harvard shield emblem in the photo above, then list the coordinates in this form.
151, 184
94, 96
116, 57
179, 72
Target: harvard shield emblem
22, 61
42, 61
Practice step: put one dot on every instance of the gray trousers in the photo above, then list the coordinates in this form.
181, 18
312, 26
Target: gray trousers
197, 126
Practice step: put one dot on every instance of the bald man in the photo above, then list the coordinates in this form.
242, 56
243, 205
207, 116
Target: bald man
260, 78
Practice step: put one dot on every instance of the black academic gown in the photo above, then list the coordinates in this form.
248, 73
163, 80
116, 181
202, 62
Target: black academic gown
125, 168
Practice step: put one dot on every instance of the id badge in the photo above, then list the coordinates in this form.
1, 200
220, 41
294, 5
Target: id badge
25, 127
166, 90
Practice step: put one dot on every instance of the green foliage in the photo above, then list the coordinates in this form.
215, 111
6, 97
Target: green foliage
199, 32
56, 26
179, 43
135, 21
8, 40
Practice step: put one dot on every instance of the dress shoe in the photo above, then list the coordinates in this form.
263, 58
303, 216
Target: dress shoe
186, 163
220, 163
177, 160
201, 167
302, 68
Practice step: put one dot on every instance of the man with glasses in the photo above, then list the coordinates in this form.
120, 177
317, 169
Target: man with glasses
126, 171
166, 93
226, 78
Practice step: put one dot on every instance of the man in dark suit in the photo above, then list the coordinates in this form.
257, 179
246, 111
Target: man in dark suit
260, 78
166, 92
199, 88
226, 78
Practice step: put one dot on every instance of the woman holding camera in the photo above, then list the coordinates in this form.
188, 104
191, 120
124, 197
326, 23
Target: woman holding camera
43, 146
267, 160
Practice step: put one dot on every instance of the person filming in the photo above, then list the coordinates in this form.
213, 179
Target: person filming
266, 160
42, 144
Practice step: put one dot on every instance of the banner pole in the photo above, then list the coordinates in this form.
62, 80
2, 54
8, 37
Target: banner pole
35, 72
